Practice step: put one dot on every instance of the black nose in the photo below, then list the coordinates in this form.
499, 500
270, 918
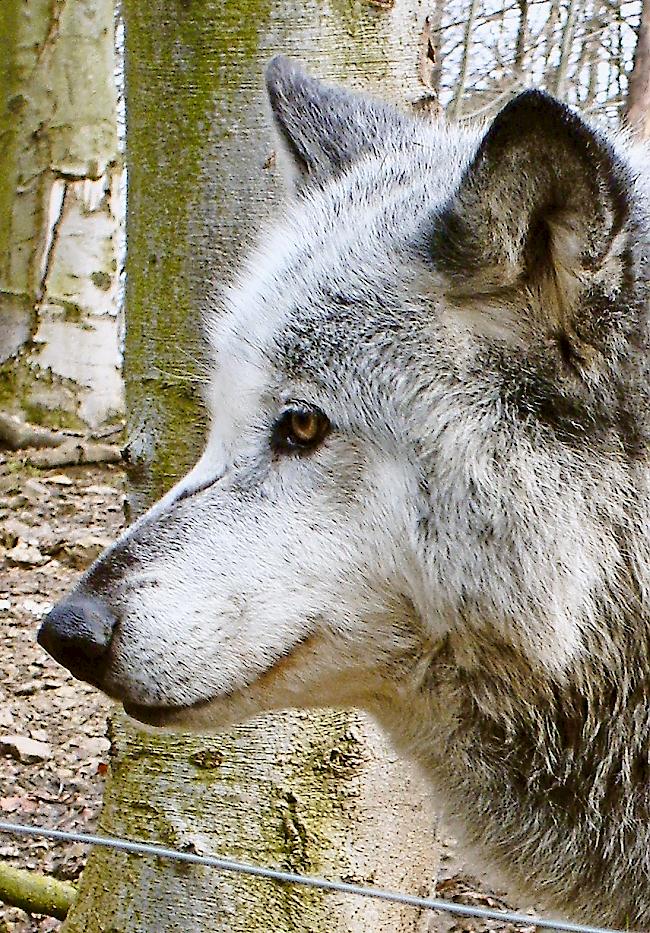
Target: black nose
77, 633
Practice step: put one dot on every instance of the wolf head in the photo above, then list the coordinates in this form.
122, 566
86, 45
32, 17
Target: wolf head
429, 420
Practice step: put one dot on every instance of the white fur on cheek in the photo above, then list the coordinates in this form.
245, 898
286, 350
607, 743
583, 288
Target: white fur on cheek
273, 574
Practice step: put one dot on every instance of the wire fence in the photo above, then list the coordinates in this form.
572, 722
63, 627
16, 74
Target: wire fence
287, 877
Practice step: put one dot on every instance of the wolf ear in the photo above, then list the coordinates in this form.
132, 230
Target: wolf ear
324, 129
540, 205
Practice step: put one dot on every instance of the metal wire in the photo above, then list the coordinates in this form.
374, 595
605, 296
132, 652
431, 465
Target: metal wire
287, 877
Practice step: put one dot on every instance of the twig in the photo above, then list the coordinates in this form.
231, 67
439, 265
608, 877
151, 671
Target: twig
55, 448
18, 435
75, 452
37, 894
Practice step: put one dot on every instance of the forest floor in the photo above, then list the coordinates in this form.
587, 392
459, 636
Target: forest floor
53, 745
52, 526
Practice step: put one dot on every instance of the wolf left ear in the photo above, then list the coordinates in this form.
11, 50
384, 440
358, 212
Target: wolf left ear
324, 129
544, 197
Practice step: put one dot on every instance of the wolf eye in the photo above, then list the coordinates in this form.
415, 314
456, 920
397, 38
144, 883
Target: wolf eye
300, 429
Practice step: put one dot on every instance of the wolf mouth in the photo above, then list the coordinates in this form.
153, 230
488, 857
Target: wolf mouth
167, 715
160, 715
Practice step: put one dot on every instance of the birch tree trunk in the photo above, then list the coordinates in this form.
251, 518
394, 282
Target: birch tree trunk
638, 95
313, 793
60, 176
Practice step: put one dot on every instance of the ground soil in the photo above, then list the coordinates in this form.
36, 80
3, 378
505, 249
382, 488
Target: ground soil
52, 525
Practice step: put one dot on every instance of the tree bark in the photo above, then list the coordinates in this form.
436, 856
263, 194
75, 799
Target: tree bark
60, 209
637, 112
315, 793
312, 794
431, 59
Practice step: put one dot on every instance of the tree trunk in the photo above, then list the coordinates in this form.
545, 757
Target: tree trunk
593, 62
521, 45
566, 48
548, 41
316, 793
456, 105
637, 111
60, 209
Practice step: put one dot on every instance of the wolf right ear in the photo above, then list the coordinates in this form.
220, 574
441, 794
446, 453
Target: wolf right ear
324, 129
540, 206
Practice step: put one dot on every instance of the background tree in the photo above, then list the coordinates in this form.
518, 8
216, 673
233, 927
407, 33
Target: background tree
580, 50
60, 205
638, 98
318, 794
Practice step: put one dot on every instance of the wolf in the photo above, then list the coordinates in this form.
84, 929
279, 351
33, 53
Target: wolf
425, 486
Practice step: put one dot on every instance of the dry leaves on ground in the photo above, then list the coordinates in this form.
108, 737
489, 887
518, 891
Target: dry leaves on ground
53, 747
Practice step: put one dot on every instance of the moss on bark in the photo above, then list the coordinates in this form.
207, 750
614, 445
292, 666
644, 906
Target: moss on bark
184, 65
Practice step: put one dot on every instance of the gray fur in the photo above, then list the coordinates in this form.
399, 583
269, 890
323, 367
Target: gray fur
324, 129
466, 554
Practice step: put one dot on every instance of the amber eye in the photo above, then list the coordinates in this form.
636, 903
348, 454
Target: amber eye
304, 426
300, 429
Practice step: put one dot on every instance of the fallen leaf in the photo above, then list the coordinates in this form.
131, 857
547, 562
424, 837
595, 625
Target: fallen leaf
58, 480
26, 554
24, 749
9, 804
36, 607
39, 734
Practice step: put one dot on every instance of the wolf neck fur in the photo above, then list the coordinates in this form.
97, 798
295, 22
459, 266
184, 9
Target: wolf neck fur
539, 773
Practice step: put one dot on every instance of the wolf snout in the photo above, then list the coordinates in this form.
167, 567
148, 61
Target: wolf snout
77, 633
